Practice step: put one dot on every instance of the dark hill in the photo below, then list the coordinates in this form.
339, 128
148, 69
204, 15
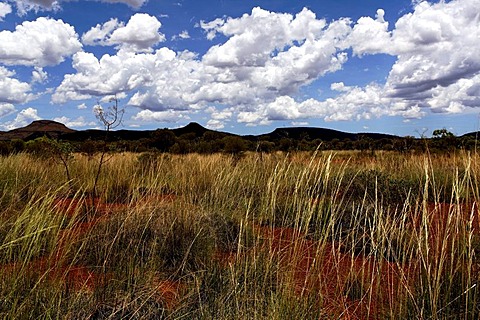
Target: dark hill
192, 127
474, 134
130, 135
193, 130
39, 128
308, 133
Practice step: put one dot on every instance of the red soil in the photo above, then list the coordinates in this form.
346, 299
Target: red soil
78, 277
169, 292
442, 219
225, 258
468, 213
50, 269
311, 268
323, 270
56, 267
326, 270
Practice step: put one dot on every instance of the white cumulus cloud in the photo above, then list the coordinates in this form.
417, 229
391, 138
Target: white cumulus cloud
161, 80
39, 75
23, 118
159, 116
215, 124
182, 35
12, 90
211, 27
141, 33
370, 36
5, 9
6, 109
253, 38
266, 54
23, 6
354, 103
43, 42
218, 118
436, 46
74, 123
99, 35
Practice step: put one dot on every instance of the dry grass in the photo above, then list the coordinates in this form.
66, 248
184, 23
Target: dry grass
327, 235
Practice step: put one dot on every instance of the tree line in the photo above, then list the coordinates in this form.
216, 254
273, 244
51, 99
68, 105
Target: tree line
164, 140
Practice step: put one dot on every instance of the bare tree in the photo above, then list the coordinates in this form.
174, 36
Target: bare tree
110, 118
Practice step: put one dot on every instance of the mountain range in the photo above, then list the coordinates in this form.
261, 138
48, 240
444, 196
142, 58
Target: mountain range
58, 130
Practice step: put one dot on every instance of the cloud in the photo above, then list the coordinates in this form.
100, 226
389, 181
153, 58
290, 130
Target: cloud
339, 86
5, 9
40, 43
211, 27
300, 123
139, 34
430, 74
6, 109
39, 75
23, 6
266, 54
215, 124
13, 90
23, 118
183, 35
219, 117
99, 35
159, 116
255, 74
370, 36
131, 3
436, 47
461, 96
253, 38
110, 99
119, 73
74, 123
354, 103
225, 114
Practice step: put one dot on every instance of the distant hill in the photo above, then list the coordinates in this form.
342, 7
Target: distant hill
196, 138
475, 134
56, 130
39, 128
309, 133
192, 128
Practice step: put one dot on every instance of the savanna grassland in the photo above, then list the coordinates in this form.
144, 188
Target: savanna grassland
326, 235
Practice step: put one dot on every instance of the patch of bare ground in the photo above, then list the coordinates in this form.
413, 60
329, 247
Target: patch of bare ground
349, 286
80, 277
168, 292
74, 277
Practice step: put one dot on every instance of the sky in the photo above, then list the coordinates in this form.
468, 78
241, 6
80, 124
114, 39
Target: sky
404, 67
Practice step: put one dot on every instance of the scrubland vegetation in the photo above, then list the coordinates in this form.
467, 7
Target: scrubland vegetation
305, 235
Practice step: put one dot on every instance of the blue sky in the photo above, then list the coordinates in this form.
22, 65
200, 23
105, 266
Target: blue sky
398, 67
